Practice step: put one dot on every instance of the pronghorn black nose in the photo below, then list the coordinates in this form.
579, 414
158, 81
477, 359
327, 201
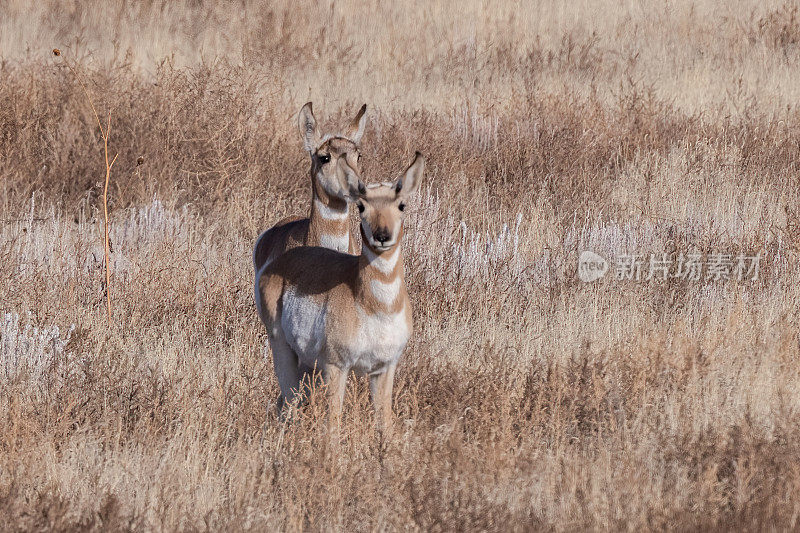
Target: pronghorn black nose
381, 235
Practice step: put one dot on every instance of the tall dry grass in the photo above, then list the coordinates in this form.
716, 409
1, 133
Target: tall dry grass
526, 399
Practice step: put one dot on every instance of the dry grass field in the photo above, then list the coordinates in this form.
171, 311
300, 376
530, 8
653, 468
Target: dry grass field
526, 399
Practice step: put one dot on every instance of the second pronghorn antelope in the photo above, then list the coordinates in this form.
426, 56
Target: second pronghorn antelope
328, 224
340, 312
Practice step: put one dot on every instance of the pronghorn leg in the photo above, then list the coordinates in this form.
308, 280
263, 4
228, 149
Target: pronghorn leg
380, 387
306, 380
287, 370
278, 405
336, 379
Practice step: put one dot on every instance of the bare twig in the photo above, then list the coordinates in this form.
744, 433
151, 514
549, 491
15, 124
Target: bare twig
105, 135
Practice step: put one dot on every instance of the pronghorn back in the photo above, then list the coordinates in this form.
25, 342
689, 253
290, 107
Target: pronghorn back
286, 234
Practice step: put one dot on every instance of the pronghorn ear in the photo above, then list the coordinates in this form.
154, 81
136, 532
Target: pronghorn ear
349, 179
357, 126
408, 183
307, 125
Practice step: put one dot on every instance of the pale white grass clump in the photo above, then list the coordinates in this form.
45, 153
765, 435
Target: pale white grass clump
446, 250
613, 238
27, 350
49, 243
479, 253
146, 228
150, 224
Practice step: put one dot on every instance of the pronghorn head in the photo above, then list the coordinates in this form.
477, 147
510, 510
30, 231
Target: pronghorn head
382, 205
326, 150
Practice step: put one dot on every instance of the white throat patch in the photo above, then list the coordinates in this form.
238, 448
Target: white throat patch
386, 293
384, 264
328, 213
340, 243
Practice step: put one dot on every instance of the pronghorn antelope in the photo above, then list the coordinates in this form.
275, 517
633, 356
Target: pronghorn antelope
328, 224
339, 312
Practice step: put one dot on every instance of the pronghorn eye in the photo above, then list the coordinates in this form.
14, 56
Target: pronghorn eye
360, 207
325, 158
402, 206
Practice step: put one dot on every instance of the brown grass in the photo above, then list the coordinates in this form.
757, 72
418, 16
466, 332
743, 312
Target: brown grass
526, 399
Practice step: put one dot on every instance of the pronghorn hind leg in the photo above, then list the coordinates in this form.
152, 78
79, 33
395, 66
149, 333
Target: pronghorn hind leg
380, 387
288, 372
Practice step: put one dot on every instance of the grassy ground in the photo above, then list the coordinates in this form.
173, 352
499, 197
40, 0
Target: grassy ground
526, 399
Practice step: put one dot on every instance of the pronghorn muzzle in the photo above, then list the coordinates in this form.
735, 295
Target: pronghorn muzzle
382, 235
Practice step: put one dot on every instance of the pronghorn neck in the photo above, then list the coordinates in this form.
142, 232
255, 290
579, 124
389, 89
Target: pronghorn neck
329, 224
381, 285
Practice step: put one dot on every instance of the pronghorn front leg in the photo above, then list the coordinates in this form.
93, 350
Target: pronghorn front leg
336, 384
380, 386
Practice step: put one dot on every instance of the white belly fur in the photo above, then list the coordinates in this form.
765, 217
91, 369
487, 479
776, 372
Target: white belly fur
303, 324
379, 340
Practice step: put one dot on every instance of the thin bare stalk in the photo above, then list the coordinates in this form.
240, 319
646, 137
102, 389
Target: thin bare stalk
105, 135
